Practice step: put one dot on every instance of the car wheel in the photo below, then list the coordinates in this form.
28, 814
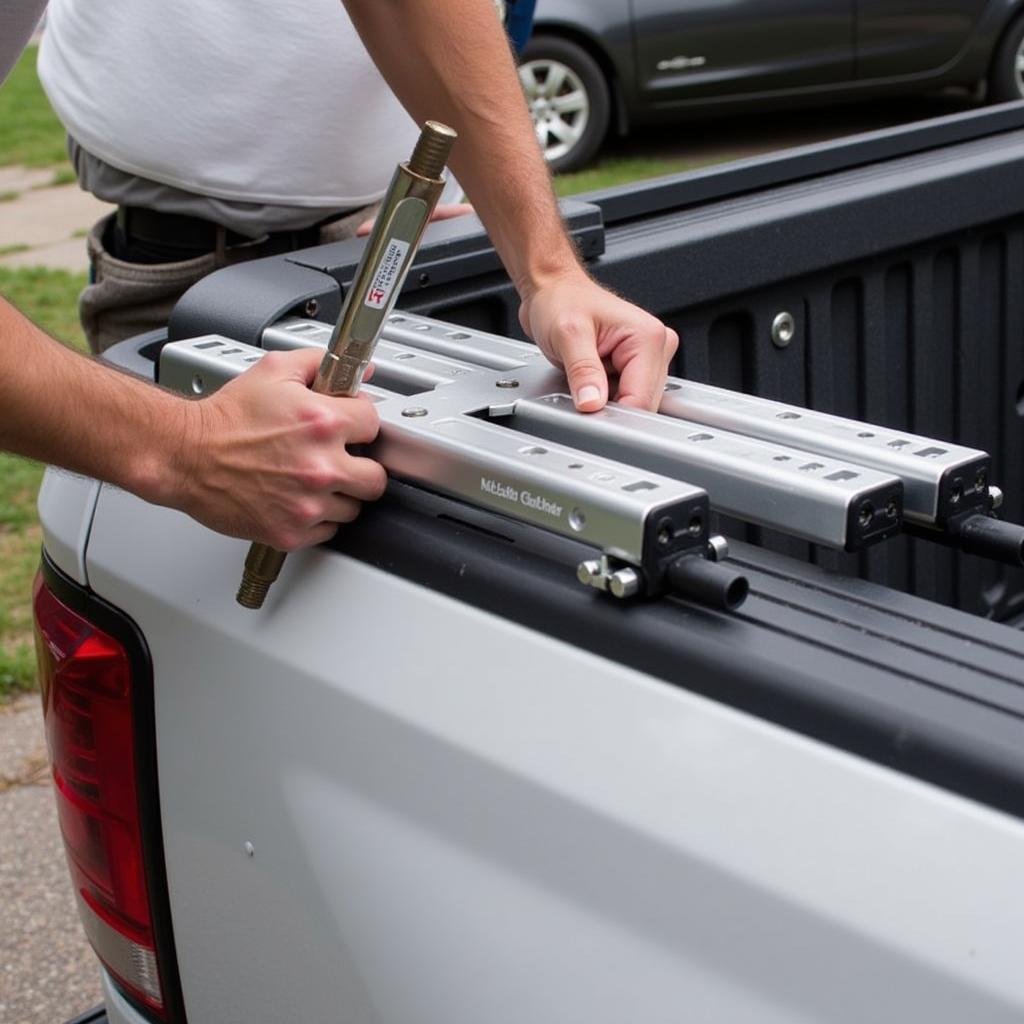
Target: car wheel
568, 99
1006, 81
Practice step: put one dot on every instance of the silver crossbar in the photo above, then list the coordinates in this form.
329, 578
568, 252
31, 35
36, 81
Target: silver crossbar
940, 479
817, 498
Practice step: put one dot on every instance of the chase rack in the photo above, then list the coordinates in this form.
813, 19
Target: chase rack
486, 420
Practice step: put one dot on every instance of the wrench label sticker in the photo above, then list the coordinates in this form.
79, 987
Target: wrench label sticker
387, 274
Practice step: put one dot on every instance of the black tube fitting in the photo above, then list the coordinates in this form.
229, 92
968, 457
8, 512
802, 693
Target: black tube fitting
992, 538
708, 582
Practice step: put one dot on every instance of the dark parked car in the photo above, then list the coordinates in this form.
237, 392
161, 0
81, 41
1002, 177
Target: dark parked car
599, 65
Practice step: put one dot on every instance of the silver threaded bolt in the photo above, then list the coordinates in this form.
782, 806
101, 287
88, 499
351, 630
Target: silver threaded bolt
432, 150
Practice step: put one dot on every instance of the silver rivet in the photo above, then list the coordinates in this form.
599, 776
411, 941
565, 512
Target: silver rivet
415, 411
783, 329
198, 386
250, 850
506, 383
312, 307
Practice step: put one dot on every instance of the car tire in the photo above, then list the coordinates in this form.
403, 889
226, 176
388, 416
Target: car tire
568, 98
1006, 80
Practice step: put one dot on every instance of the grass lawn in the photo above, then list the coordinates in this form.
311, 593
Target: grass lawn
620, 170
49, 297
30, 133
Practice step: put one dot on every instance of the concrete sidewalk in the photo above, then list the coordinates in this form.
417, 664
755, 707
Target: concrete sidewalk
43, 225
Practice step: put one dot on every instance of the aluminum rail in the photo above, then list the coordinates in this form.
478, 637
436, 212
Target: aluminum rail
940, 480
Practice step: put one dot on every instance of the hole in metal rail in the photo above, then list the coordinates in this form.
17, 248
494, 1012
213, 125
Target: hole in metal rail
423, 327
640, 485
866, 514
404, 355
198, 384
701, 437
533, 449
229, 352
811, 467
209, 344
865, 433
842, 474
577, 519
781, 458
575, 465
672, 387
303, 328
397, 319
253, 359
899, 444
458, 335
930, 453
788, 415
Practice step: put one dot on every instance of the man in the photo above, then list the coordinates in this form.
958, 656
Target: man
263, 458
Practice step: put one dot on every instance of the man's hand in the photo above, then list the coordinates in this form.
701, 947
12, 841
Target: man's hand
444, 211
592, 334
265, 459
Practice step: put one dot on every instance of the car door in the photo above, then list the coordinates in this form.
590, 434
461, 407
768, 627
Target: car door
907, 37
692, 49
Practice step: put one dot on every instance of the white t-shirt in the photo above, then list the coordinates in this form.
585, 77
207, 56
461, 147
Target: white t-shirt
264, 101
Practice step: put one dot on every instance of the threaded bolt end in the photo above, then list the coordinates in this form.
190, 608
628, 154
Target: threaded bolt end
252, 591
432, 149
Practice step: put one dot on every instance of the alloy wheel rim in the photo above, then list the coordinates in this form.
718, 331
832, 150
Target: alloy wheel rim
558, 104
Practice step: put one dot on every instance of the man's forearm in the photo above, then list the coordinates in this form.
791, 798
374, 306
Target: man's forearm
61, 407
263, 458
460, 71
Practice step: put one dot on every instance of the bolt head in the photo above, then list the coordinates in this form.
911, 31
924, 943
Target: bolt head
624, 583
783, 329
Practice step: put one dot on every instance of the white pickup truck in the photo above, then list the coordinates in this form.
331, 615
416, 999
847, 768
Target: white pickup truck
437, 779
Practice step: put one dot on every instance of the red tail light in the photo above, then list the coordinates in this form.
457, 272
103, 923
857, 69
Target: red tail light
86, 683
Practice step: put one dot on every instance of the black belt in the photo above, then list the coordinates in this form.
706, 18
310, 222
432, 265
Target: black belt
196, 235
